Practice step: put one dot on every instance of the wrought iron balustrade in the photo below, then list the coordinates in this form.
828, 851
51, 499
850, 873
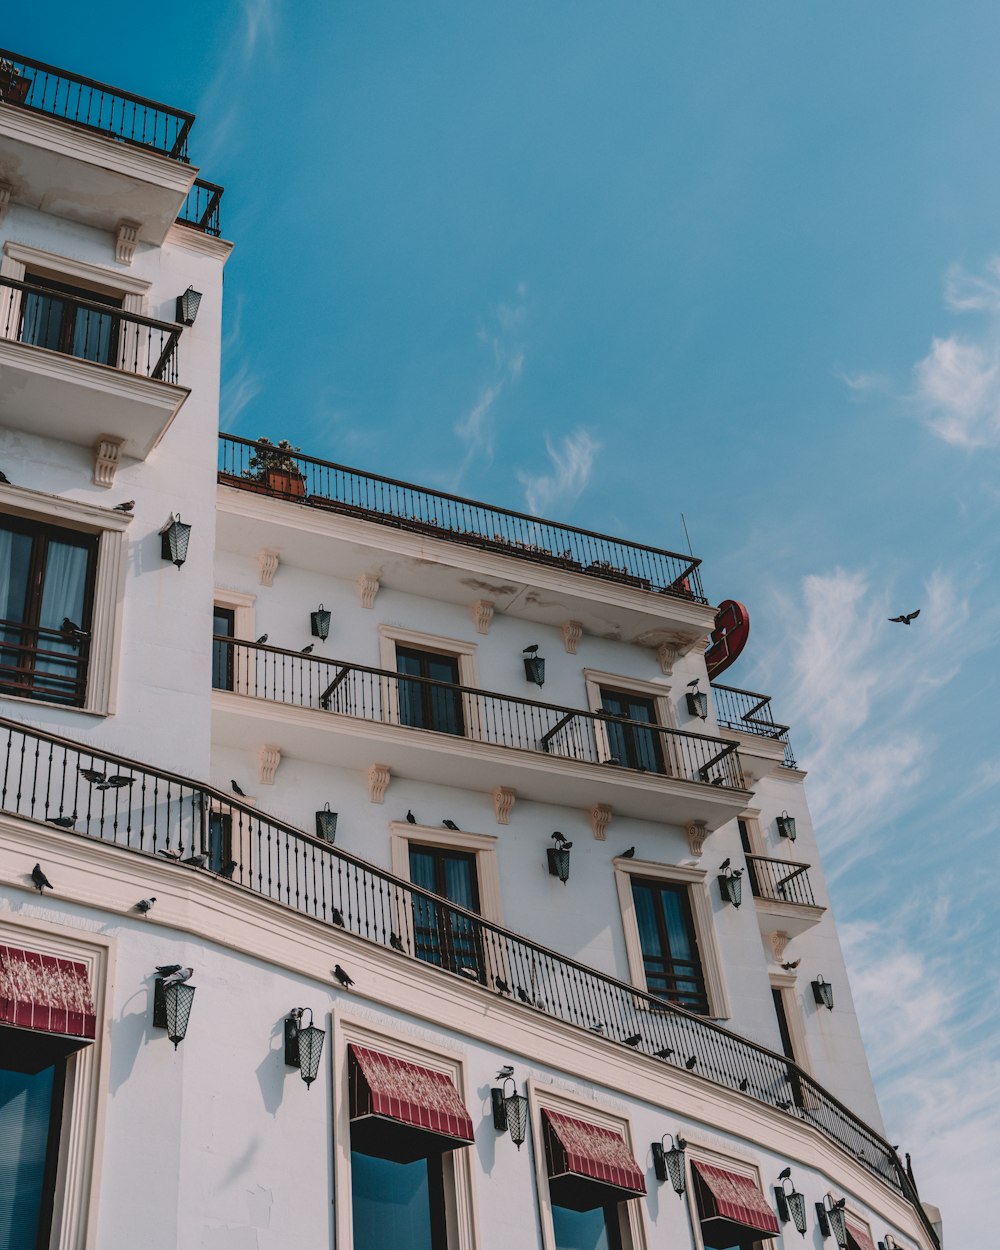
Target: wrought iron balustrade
389, 698
108, 111
779, 880
750, 713
200, 210
243, 463
88, 329
111, 798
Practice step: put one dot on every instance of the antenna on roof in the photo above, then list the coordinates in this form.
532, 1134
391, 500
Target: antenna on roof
687, 536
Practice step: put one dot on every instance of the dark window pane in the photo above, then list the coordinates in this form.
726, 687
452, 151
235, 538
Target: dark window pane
630, 746
224, 622
427, 706
219, 840
586, 1230
398, 1205
669, 947
29, 1108
440, 936
58, 322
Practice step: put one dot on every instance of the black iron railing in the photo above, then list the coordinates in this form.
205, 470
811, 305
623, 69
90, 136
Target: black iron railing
102, 795
201, 208
780, 880
88, 329
750, 713
120, 115
375, 694
252, 466
41, 663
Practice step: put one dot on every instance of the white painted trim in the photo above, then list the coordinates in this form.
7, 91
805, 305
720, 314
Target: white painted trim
696, 880
460, 1194
110, 281
198, 241
755, 836
659, 692
244, 606
482, 845
81, 1144
784, 983
464, 652
543, 1097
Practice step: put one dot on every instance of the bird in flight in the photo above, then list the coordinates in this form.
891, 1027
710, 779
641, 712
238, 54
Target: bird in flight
237, 789
41, 881
343, 977
450, 824
92, 775
127, 506
174, 974
145, 904
790, 967
905, 618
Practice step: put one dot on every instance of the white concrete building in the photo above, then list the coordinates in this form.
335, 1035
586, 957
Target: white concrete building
380, 792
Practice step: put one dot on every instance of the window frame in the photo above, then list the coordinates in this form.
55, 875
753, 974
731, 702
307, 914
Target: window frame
243, 606
459, 1166
743, 1167
696, 879
632, 1215
468, 670
107, 589
596, 681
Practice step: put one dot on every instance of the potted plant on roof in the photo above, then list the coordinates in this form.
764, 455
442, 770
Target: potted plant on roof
13, 84
274, 465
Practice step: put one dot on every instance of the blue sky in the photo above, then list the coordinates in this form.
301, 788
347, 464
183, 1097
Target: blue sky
619, 262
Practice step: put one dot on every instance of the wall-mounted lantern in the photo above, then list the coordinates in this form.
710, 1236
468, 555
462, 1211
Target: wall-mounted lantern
786, 826
670, 1163
558, 857
174, 539
790, 1203
187, 306
831, 1218
319, 622
889, 1243
697, 700
326, 824
823, 993
534, 665
731, 886
303, 1046
172, 999
510, 1109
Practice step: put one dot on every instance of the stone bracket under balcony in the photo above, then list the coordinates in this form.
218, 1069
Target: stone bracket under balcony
57, 396
57, 167
243, 722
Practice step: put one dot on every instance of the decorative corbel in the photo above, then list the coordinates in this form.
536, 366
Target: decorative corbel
572, 632
378, 780
600, 818
668, 653
4, 200
482, 614
697, 832
107, 454
267, 566
368, 588
125, 241
503, 803
268, 759
778, 940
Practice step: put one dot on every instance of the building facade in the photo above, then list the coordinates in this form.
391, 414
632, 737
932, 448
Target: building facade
434, 896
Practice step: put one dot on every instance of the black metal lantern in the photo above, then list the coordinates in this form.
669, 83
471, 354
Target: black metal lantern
791, 1204
303, 1046
558, 857
889, 1243
831, 1217
320, 623
172, 1008
326, 824
823, 993
187, 306
534, 665
174, 540
510, 1111
670, 1162
697, 702
731, 885
786, 826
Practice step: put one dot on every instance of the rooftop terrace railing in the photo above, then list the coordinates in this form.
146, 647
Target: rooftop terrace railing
88, 329
108, 111
114, 799
750, 713
200, 210
244, 463
421, 703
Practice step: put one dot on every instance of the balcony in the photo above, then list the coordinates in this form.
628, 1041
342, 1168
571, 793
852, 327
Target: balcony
455, 549
116, 800
84, 371
318, 709
783, 895
90, 152
748, 714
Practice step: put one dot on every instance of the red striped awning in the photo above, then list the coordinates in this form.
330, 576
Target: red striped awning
731, 1206
589, 1164
46, 994
858, 1238
387, 1092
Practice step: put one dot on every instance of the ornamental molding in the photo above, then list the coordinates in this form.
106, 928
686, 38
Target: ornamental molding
600, 818
125, 241
572, 632
368, 588
503, 803
4, 200
267, 566
107, 455
378, 781
697, 832
668, 653
778, 940
268, 759
482, 614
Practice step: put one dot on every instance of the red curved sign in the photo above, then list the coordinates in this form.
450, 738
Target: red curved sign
732, 629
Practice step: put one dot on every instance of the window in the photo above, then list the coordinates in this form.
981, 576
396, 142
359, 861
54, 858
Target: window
628, 745
30, 1116
46, 582
224, 623
748, 850
791, 1033
731, 1210
425, 705
441, 936
398, 1204
220, 840
64, 325
598, 1229
669, 943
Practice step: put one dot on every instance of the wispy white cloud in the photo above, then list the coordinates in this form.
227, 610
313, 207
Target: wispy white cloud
239, 390
970, 292
221, 103
572, 461
861, 382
